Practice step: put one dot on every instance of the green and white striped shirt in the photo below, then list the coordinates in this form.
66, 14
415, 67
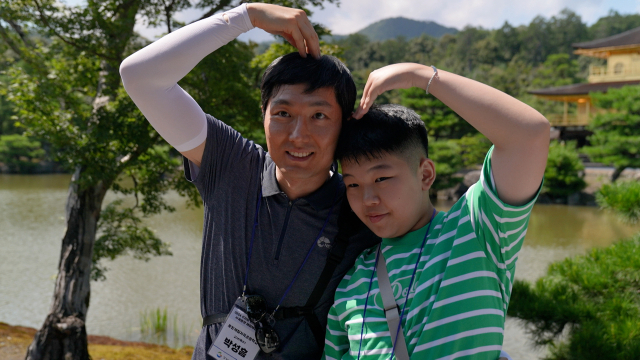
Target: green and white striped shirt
459, 299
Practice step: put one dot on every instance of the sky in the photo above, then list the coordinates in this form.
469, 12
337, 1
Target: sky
353, 15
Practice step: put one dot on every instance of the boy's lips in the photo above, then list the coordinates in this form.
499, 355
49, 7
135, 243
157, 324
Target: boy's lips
374, 218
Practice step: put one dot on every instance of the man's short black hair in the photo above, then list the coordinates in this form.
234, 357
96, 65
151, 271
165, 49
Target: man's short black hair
385, 129
293, 69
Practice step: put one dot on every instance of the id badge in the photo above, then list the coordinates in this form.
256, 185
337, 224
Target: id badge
237, 339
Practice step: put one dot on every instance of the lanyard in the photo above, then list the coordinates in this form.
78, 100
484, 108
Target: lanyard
364, 313
313, 246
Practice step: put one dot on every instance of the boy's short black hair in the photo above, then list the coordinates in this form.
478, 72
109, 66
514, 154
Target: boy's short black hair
385, 129
293, 69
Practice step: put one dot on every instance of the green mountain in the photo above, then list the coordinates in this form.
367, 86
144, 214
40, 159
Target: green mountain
399, 26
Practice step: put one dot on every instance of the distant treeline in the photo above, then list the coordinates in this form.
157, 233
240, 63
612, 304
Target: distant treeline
512, 59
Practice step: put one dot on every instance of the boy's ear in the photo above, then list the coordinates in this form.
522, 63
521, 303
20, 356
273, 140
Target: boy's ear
427, 173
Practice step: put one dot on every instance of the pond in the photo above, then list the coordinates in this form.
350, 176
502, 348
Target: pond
32, 225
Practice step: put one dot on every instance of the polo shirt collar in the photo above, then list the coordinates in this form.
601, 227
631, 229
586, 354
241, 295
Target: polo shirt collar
320, 199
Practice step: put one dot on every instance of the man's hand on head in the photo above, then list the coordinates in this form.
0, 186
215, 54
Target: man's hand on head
292, 24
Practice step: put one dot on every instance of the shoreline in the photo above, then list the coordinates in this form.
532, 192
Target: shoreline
15, 339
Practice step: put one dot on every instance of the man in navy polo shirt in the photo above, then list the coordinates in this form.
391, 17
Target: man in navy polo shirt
281, 206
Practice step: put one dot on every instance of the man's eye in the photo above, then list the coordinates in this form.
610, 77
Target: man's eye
381, 179
320, 116
282, 113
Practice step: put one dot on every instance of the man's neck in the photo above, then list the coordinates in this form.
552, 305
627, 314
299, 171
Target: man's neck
297, 188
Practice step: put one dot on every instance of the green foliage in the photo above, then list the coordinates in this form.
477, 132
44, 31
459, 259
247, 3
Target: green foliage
19, 153
440, 120
565, 172
613, 24
616, 134
122, 233
594, 297
446, 156
160, 327
473, 149
557, 70
623, 198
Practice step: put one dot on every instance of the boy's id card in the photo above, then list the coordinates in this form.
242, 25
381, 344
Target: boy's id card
237, 339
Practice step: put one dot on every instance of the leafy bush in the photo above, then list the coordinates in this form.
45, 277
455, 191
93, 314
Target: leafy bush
623, 198
474, 149
595, 297
564, 173
19, 153
446, 156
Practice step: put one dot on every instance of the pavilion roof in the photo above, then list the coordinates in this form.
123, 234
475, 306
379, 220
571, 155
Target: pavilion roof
581, 89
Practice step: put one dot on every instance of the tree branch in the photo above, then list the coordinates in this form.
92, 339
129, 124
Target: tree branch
45, 21
223, 4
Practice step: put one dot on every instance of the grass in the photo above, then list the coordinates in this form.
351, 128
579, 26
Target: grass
14, 341
159, 327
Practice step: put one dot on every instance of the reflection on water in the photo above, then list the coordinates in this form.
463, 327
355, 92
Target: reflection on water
32, 226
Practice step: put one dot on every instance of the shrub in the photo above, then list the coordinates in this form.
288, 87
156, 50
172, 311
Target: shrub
446, 154
622, 198
564, 173
19, 153
595, 297
474, 149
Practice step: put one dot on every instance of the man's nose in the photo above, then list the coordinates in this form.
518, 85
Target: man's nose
299, 130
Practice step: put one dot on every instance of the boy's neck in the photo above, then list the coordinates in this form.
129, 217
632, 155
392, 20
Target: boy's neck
424, 218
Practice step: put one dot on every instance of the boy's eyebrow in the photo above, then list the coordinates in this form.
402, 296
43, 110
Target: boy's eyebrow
377, 167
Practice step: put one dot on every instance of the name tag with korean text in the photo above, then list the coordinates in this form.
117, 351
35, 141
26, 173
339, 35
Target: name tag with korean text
236, 340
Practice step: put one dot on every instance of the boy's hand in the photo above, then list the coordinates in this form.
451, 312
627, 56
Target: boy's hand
292, 24
396, 76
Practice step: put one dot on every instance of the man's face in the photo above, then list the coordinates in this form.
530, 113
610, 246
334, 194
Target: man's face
302, 131
389, 195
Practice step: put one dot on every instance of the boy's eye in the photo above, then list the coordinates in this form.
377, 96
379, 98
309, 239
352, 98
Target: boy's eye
282, 113
352, 185
320, 116
381, 179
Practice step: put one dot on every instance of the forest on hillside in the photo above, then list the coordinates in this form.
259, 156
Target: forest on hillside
512, 59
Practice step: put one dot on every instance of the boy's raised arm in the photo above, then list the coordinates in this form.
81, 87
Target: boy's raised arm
150, 75
519, 133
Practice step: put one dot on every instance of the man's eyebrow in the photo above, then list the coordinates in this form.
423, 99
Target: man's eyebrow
320, 103
280, 102
285, 102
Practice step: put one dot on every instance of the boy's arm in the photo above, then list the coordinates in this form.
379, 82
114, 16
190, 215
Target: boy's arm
336, 342
150, 75
519, 133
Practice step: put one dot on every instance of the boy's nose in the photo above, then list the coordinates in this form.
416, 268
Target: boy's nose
370, 197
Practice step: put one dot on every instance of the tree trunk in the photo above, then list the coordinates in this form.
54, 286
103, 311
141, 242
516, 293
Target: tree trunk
63, 335
616, 173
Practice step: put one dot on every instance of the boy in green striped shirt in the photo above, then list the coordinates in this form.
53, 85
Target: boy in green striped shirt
450, 272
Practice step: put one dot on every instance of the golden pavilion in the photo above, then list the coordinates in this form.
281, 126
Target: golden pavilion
622, 53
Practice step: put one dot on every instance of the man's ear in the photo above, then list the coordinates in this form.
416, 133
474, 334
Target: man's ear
427, 173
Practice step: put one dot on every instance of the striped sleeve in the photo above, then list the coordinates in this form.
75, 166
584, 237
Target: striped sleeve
336, 342
500, 227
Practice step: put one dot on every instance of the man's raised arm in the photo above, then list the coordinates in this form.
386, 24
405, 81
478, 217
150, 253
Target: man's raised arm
150, 75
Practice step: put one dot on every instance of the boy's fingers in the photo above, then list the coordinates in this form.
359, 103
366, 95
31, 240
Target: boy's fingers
299, 43
310, 37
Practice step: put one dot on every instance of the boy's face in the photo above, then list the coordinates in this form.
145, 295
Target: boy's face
389, 195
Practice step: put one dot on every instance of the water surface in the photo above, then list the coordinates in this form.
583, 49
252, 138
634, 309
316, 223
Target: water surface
32, 225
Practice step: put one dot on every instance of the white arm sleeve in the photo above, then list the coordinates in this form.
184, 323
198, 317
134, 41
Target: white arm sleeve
150, 76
